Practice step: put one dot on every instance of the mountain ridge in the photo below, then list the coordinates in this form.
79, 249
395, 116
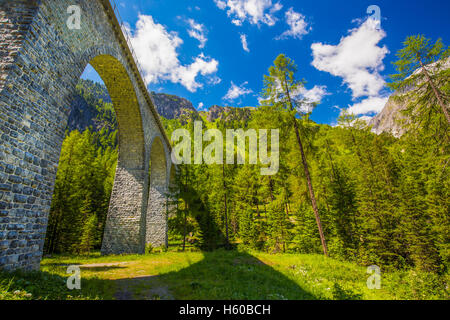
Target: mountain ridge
92, 108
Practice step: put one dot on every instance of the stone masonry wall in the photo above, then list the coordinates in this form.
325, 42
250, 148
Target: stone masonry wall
41, 60
157, 226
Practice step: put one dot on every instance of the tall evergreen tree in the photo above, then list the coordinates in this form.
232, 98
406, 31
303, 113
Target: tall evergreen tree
280, 88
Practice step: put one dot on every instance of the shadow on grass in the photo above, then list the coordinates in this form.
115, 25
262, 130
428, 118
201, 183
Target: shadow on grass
232, 275
221, 275
226, 273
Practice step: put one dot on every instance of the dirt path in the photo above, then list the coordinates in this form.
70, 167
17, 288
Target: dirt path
136, 287
142, 288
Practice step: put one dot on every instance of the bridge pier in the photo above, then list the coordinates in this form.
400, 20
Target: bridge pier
157, 220
123, 224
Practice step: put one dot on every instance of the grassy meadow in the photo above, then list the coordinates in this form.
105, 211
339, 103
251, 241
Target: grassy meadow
216, 275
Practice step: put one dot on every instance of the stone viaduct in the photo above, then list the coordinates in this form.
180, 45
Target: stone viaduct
41, 60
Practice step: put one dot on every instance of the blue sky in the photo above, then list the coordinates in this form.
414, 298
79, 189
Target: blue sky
217, 51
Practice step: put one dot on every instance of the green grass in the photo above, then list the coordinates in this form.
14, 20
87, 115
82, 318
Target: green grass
217, 275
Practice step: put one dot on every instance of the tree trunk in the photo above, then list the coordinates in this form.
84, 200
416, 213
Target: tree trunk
226, 208
186, 206
311, 190
308, 176
436, 92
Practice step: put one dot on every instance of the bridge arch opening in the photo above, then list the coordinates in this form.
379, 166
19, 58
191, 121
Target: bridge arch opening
111, 181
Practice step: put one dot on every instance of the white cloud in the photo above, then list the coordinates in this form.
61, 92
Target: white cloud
156, 50
309, 97
236, 91
298, 27
365, 118
253, 11
221, 4
214, 80
197, 31
369, 105
315, 94
357, 59
186, 75
201, 107
244, 42
236, 22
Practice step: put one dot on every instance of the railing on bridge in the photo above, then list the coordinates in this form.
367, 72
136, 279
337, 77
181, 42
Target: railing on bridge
127, 36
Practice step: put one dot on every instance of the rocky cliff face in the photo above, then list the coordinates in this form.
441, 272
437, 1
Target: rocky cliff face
171, 107
388, 120
92, 107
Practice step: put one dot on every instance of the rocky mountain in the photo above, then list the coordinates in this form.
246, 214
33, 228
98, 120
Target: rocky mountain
390, 118
171, 107
92, 107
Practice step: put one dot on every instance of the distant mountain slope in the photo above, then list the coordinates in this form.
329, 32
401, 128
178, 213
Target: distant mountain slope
227, 113
170, 106
92, 107
388, 120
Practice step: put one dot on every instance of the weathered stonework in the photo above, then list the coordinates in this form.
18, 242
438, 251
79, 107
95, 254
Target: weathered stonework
157, 227
41, 60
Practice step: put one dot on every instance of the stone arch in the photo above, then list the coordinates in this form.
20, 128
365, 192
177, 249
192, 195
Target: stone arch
126, 106
124, 220
40, 65
156, 218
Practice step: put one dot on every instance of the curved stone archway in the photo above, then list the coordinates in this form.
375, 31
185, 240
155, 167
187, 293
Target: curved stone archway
123, 224
40, 63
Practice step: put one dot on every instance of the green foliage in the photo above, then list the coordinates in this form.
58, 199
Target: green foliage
82, 191
382, 200
148, 248
49, 286
416, 53
423, 85
84, 181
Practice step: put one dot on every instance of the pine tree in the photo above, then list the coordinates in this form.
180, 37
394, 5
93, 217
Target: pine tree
420, 68
89, 235
280, 88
